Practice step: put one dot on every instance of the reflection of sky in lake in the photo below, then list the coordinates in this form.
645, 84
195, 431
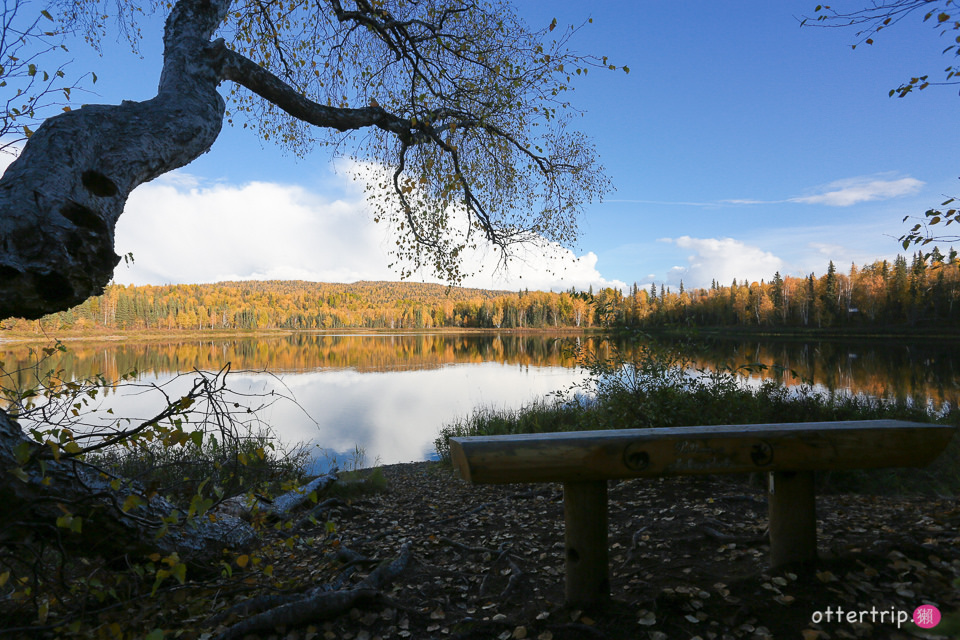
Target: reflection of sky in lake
393, 416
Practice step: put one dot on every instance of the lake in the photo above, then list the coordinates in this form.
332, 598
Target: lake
390, 393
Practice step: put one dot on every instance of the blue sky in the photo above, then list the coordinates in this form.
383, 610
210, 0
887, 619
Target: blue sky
739, 144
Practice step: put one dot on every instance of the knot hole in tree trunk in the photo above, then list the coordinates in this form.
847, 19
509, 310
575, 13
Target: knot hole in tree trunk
98, 184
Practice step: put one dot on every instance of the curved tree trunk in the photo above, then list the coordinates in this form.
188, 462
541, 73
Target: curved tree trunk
61, 198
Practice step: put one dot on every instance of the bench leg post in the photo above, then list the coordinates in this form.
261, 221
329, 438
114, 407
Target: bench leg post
585, 522
793, 518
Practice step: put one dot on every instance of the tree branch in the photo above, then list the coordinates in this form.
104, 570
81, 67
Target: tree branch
249, 74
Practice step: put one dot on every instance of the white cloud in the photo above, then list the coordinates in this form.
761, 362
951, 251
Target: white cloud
849, 191
546, 266
723, 260
844, 193
181, 230
824, 249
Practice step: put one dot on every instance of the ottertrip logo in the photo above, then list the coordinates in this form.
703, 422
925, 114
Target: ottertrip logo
925, 616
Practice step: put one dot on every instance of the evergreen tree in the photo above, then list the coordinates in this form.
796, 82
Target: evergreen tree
831, 296
778, 294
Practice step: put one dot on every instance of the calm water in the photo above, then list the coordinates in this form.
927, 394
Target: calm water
391, 393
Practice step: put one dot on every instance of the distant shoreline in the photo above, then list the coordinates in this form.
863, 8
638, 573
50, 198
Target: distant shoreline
158, 335
787, 334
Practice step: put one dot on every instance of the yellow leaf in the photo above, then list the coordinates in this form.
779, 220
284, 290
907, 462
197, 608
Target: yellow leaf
132, 501
243, 560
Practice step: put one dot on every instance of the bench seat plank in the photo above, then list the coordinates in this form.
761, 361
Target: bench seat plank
631, 453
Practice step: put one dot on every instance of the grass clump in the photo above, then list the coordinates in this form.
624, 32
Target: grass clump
351, 485
214, 469
356, 478
541, 416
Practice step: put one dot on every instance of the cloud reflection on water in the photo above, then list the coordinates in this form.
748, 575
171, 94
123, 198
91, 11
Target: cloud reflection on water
393, 416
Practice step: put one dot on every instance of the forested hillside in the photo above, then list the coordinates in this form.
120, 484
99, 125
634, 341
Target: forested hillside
312, 305
922, 292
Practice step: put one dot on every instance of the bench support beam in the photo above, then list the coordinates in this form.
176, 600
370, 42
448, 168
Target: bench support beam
585, 542
793, 518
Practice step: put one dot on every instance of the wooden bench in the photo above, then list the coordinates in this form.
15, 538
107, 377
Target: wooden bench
790, 453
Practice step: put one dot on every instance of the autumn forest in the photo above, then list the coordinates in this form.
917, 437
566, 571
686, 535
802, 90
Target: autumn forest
915, 292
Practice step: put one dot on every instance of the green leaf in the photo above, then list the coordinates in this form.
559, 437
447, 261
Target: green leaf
22, 452
132, 501
74, 523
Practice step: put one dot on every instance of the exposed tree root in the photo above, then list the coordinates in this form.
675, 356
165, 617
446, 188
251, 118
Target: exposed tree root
312, 516
318, 604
